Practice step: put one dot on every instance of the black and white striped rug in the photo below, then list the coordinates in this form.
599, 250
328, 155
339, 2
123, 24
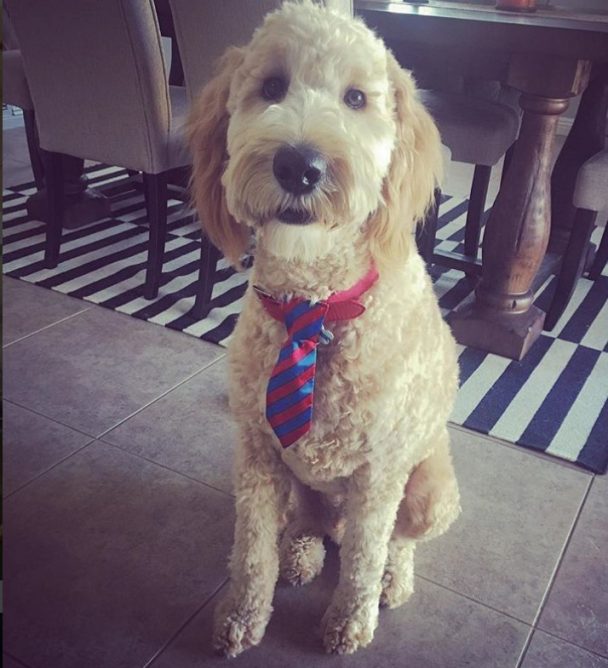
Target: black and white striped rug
555, 400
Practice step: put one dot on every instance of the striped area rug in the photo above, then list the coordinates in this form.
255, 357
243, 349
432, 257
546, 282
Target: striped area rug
555, 400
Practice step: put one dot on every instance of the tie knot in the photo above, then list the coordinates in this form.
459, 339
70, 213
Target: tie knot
304, 320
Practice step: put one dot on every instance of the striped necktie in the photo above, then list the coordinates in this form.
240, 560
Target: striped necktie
289, 396
290, 392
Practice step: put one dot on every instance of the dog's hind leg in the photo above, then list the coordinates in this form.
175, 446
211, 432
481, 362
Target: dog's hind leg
430, 504
431, 501
301, 552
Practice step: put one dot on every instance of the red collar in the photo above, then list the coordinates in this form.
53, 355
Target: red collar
341, 305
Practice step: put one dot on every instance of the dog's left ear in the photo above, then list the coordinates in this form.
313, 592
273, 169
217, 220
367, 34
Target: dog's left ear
415, 171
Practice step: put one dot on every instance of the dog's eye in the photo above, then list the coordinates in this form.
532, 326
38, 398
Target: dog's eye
354, 98
274, 88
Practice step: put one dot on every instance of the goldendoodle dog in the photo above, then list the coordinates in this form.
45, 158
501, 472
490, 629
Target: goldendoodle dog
311, 141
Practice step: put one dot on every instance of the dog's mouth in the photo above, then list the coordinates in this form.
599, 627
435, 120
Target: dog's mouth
294, 217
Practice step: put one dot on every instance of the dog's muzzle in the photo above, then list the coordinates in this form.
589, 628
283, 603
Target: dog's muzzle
298, 170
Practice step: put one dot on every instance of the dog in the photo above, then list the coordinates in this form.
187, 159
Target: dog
312, 142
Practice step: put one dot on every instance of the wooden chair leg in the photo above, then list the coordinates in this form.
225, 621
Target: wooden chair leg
206, 276
572, 267
601, 257
33, 147
477, 201
155, 189
176, 74
53, 170
427, 231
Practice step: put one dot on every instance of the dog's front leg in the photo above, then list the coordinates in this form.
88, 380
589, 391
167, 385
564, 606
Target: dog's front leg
261, 488
372, 503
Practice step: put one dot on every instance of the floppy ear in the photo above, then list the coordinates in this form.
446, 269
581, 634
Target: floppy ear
414, 172
206, 131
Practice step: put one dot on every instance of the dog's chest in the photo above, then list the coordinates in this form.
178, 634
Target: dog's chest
335, 445
346, 409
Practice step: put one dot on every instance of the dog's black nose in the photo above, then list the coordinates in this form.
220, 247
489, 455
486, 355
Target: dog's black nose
298, 169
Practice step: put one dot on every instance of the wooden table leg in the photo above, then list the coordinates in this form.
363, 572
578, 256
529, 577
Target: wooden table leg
501, 317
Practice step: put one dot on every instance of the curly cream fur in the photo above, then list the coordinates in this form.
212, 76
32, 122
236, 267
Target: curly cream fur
375, 471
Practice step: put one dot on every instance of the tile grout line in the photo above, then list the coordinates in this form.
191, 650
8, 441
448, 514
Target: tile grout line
524, 650
474, 600
555, 573
163, 647
166, 468
161, 396
563, 551
40, 475
50, 419
42, 329
537, 454
570, 642
99, 439
104, 433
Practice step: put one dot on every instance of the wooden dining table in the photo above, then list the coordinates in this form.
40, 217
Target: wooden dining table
547, 55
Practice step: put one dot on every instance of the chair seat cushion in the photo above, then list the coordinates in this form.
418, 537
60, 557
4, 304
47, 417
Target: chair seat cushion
15, 88
591, 191
477, 131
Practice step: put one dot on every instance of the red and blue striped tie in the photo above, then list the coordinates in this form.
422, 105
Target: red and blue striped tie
289, 398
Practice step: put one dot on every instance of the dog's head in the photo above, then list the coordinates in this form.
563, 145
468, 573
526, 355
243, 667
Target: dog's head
310, 132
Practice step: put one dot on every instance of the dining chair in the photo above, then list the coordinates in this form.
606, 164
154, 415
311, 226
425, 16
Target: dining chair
16, 92
478, 118
590, 198
478, 132
226, 23
98, 84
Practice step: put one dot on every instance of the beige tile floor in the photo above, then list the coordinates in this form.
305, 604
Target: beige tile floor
118, 515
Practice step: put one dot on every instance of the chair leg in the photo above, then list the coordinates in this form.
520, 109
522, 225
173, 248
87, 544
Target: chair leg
507, 162
155, 189
601, 257
53, 170
33, 147
427, 231
477, 201
176, 75
572, 267
206, 275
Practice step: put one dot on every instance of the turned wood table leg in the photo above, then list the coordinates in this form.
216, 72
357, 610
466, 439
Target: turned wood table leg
501, 317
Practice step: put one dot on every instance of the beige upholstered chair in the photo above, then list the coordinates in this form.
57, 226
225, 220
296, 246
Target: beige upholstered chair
98, 83
478, 131
204, 31
590, 197
15, 91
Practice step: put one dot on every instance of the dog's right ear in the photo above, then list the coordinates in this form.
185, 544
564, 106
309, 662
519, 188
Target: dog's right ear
206, 130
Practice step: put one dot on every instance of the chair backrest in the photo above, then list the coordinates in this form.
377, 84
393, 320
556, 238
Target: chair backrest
205, 29
97, 78
9, 38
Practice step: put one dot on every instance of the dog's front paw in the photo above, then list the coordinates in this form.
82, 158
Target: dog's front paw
397, 587
238, 627
301, 559
346, 628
